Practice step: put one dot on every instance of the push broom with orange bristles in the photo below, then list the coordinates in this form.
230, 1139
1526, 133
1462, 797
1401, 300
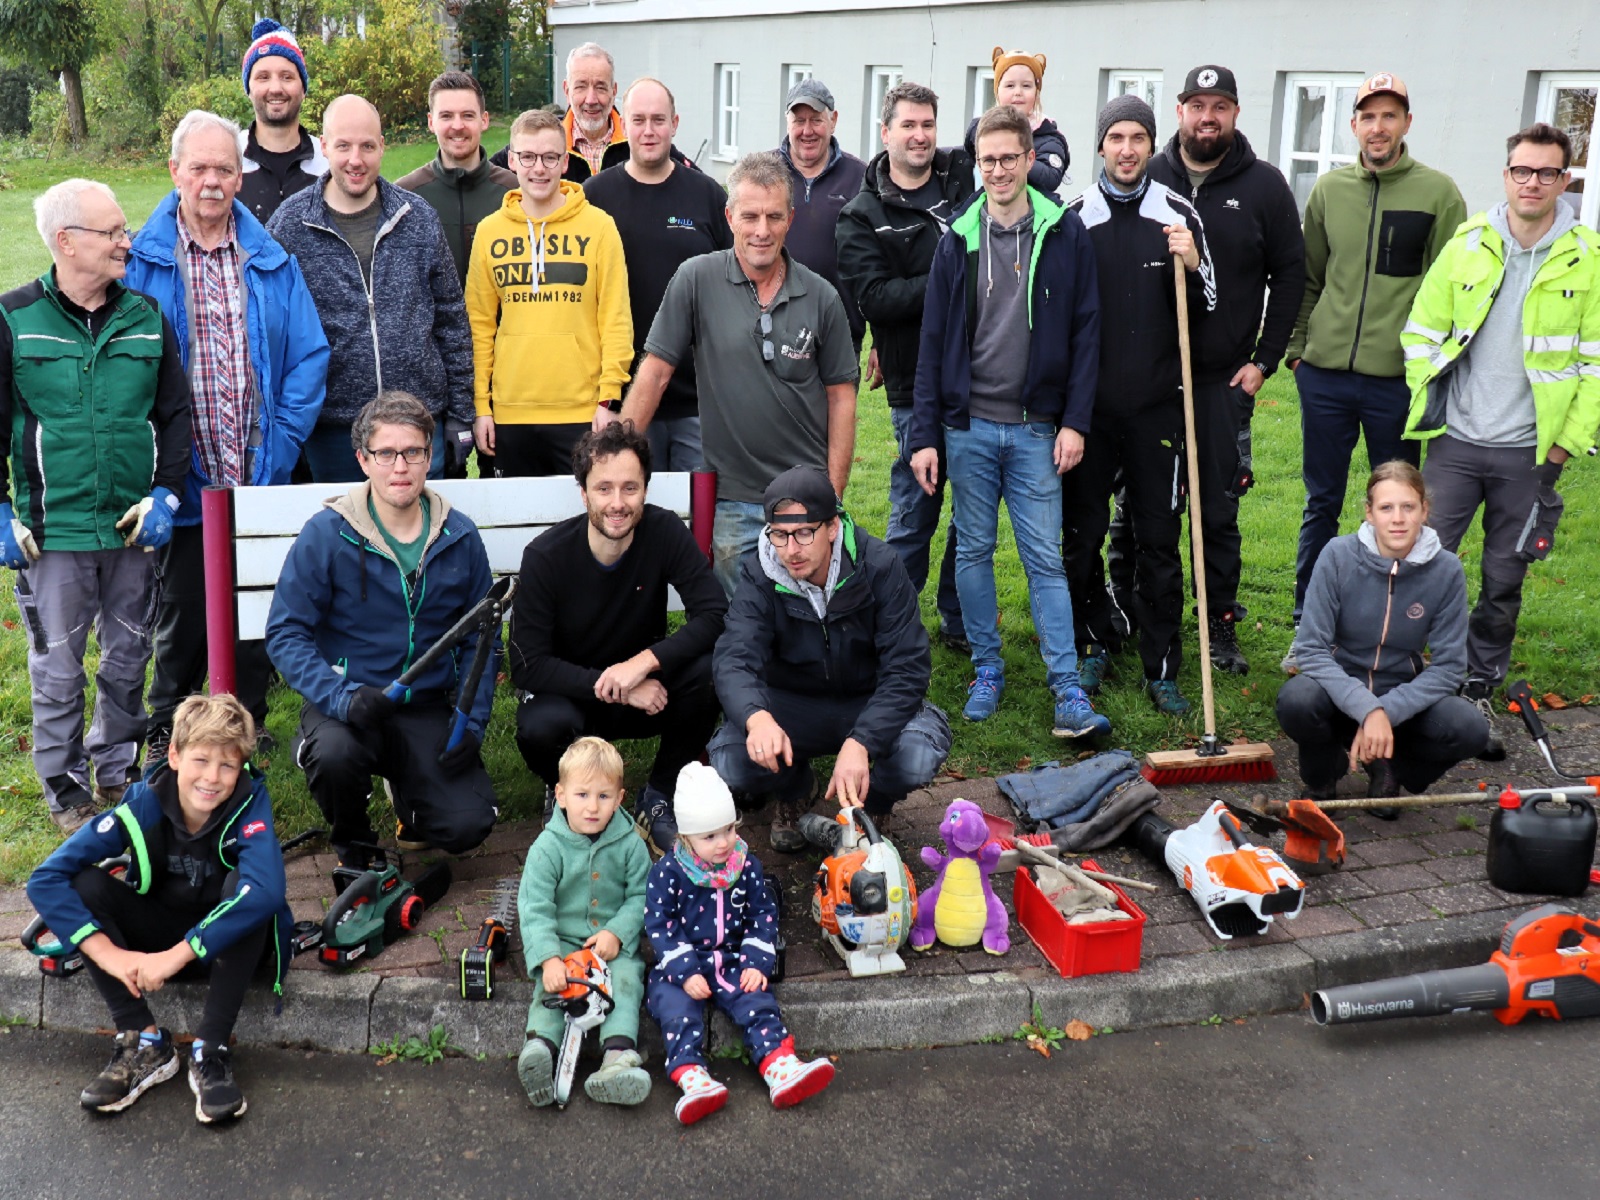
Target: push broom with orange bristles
1212, 762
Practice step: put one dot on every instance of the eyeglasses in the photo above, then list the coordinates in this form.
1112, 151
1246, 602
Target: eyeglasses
803, 534
1005, 162
113, 235
532, 158
767, 352
1547, 175
412, 454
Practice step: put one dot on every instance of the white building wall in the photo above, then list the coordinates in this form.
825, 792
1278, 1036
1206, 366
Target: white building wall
1473, 66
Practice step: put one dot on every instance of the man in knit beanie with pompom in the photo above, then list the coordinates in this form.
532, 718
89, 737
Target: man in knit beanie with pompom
280, 157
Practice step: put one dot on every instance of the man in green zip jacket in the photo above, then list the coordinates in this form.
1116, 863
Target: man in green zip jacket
94, 447
1503, 357
1372, 230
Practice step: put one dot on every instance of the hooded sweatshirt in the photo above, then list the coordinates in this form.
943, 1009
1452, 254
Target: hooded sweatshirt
1368, 619
552, 330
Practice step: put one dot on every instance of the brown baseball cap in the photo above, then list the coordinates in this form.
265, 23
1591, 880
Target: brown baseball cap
1383, 83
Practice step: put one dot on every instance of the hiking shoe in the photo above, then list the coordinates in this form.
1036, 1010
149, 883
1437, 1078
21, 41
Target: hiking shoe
1291, 660
1480, 694
1076, 717
136, 1066
1164, 694
702, 1095
954, 639
1094, 668
983, 694
654, 817
1225, 652
785, 836
536, 1069
216, 1096
1382, 783
408, 839
74, 817
790, 1081
621, 1079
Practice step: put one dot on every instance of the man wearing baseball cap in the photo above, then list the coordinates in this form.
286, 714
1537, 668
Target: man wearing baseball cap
825, 180
280, 156
823, 652
1372, 228
1253, 232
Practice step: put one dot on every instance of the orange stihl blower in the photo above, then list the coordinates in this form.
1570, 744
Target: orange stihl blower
1548, 963
865, 899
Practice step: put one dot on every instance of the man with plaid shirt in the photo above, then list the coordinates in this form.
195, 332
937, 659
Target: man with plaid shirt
257, 361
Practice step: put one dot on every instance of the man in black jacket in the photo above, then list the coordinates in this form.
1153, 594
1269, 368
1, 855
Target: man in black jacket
1253, 231
886, 238
589, 649
1137, 226
823, 653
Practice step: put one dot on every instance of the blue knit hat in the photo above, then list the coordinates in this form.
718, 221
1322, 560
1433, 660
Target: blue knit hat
268, 37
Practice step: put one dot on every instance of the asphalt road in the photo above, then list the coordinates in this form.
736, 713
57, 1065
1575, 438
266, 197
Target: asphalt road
1455, 1108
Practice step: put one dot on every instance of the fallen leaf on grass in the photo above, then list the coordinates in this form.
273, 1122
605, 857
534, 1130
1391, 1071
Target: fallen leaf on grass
9, 624
1024, 762
955, 774
1552, 700
1079, 1031
23, 746
1586, 699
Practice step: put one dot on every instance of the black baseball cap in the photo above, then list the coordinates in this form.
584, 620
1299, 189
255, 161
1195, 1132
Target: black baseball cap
805, 486
1209, 80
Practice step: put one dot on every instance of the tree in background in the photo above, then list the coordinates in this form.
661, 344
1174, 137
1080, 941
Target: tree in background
59, 35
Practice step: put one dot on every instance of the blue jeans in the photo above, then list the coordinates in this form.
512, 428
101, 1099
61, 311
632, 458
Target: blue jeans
1336, 408
988, 462
333, 460
674, 444
913, 520
734, 533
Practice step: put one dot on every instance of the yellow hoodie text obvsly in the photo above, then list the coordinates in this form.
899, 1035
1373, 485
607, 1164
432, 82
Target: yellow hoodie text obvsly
552, 332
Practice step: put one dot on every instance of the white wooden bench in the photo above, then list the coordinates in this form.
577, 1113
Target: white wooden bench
249, 530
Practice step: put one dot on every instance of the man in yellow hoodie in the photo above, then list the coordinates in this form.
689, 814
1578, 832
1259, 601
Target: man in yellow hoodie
547, 298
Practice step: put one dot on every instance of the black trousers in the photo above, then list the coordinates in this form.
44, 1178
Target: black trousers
547, 724
453, 812
526, 450
143, 923
179, 637
1425, 747
1147, 448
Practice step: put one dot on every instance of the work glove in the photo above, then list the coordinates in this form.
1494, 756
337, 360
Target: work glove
369, 707
149, 523
1549, 472
17, 547
463, 755
457, 443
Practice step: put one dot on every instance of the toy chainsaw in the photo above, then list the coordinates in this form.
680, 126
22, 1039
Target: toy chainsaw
1548, 963
376, 906
865, 899
587, 1002
1239, 887
492, 945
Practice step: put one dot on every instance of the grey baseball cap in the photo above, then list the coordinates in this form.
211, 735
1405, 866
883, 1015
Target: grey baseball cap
813, 93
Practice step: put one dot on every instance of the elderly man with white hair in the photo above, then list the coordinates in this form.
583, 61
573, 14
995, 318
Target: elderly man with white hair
94, 443
257, 361
596, 138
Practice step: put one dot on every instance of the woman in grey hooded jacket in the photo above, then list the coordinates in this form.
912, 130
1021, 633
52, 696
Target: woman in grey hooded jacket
1365, 694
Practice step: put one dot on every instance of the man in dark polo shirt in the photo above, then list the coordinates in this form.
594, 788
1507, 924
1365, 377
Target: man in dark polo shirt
589, 647
773, 360
667, 214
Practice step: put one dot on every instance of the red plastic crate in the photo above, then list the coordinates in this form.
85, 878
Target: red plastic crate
1000, 828
1074, 950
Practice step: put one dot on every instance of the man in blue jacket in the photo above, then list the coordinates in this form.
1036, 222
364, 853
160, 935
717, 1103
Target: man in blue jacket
379, 268
1005, 380
371, 583
256, 359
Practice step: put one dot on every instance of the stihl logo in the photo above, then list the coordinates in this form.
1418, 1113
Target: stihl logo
253, 828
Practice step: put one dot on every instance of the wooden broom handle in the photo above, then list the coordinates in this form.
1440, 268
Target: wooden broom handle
1196, 539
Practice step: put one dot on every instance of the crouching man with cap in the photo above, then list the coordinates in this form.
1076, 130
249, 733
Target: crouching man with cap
823, 652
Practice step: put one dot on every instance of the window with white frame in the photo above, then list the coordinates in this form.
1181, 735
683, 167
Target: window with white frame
1568, 103
980, 92
794, 73
1316, 128
1144, 84
879, 81
726, 143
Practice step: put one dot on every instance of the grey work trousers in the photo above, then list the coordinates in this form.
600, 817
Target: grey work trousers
61, 596
1504, 481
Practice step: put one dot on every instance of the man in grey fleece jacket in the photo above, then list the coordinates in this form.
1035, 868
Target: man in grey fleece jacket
1367, 620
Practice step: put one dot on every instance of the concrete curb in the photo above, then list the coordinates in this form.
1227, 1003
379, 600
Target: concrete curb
352, 1013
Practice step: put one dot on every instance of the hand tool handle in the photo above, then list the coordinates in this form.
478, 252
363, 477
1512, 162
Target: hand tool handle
1522, 701
1196, 539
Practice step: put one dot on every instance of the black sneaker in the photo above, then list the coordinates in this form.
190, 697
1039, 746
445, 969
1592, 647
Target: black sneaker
655, 819
1225, 652
1382, 784
136, 1066
1480, 694
216, 1096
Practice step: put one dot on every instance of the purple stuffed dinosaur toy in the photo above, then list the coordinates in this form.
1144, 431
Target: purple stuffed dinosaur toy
961, 909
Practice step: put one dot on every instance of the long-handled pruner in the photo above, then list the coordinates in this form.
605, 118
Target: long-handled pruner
484, 619
1524, 705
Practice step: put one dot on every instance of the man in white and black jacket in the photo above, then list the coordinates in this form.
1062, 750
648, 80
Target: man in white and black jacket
1136, 227
1252, 229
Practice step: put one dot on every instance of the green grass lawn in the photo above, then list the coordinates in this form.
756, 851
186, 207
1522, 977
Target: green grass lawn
1556, 645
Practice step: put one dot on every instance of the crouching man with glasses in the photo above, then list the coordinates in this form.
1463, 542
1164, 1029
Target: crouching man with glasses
823, 652
373, 581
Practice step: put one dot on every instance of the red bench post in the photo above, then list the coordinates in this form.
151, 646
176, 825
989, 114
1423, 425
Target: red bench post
216, 522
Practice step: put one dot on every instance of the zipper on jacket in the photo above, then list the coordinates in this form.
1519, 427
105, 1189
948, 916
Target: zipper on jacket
1366, 273
372, 306
1388, 604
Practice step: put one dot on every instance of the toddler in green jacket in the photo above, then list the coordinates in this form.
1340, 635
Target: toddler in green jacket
584, 886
